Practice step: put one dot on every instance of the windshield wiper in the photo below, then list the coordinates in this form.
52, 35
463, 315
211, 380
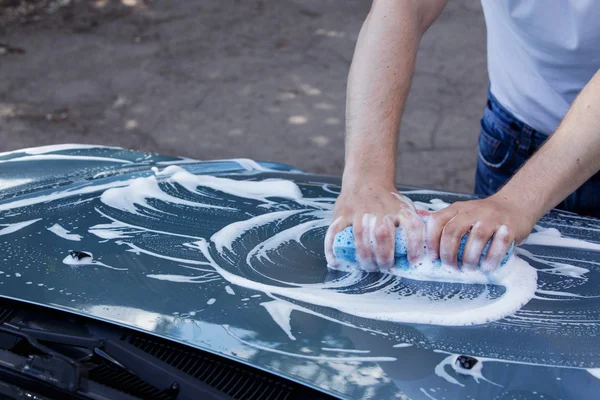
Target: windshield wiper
53, 368
45, 364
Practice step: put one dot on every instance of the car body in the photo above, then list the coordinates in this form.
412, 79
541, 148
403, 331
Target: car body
227, 257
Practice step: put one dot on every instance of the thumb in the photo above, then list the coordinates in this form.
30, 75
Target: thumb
336, 226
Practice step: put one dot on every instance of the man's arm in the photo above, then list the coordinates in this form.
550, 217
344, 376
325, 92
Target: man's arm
565, 162
378, 84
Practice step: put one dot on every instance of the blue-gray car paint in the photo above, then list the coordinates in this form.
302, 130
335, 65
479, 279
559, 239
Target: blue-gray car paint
343, 355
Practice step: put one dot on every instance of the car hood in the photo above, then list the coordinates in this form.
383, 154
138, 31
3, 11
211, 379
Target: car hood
227, 256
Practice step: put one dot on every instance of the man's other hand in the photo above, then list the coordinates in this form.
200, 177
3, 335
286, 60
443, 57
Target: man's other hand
375, 212
482, 219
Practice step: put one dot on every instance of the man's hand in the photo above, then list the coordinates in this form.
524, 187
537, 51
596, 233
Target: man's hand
567, 159
482, 219
374, 211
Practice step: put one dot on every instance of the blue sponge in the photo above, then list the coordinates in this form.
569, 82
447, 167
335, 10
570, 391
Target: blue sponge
344, 248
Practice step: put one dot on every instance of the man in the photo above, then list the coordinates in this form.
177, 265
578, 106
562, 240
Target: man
543, 64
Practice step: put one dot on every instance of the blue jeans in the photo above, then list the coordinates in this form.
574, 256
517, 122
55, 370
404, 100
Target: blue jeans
505, 144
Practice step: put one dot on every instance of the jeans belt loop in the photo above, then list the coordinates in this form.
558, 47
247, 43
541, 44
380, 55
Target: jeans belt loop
526, 138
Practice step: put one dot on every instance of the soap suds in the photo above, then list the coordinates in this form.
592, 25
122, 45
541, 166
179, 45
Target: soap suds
229, 290
73, 260
518, 277
134, 197
227, 236
6, 229
58, 230
57, 147
9, 183
280, 312
552, 237
452, 360
595, 372
205, 278
427, 394
61, 195
440, 370
345, 350
55, 157
249, 165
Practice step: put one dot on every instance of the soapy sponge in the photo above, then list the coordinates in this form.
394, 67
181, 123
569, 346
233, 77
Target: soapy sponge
344, 249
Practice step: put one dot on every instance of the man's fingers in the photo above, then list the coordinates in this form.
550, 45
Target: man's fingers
452, 233
413, 230
363, 236
478, 237
385, 234
434, 228
500, 245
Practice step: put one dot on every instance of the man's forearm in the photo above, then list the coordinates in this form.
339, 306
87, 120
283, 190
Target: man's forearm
378, 85
565, 162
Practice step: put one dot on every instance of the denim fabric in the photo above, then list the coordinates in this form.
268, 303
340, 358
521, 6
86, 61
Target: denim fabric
505, 144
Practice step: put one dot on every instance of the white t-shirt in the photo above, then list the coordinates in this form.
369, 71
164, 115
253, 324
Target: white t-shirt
541, 53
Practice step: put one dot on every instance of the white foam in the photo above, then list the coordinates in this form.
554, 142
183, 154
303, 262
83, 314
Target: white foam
114, 230
204, 278
506, 361
562, 294
211, 301
11, 228
427, 394
556, 268
57, 147
451, 360
552, 237
280, 312
138, 250
8, 183
61, 195
291, 234
120, 230
75, 261
328, 190
518, 277
55, 157
58, 230
595, 372
402, 345
137, 193
229, 290
337, 350
257, 190
475, 372
182, 160
226, 236
249, 165
440, 370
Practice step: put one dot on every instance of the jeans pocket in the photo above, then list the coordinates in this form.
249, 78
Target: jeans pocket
497, 149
